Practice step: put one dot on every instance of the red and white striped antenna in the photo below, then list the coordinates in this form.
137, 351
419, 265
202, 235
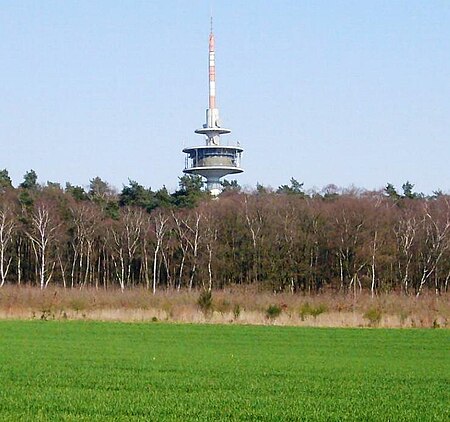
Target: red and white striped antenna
212, 69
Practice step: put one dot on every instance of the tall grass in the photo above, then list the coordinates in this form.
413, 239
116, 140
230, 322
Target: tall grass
237, 304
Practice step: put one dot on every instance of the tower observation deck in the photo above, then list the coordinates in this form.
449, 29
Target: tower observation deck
213, 160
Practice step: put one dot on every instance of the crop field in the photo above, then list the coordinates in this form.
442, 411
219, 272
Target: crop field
94, 371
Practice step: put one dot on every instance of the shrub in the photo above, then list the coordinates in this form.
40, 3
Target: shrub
403, 316
204, 302
273, 311
78, 304
374, 316
222, 306
167, 307
236, 311
319, 309
305, 310
314, 311
46, 314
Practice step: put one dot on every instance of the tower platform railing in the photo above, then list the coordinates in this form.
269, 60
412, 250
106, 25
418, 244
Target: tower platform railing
211, 156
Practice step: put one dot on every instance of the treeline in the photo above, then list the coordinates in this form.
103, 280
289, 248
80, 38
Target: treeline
283, 240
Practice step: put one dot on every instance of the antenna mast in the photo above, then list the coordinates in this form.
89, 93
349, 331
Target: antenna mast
213, 114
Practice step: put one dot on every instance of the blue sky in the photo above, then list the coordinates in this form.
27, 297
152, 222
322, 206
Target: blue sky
343, 92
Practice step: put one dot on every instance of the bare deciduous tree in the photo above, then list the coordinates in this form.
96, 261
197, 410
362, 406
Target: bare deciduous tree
42, 233
436, 243
254, 224
405, 233
160, 229
7, 228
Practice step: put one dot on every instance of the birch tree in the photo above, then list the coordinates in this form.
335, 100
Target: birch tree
349, 227
209, 239
188, 233
182, 230
405, 233
7, 229
86, 221
133, 222
160, 229
118, 253
42, 234
436, 243
254, 223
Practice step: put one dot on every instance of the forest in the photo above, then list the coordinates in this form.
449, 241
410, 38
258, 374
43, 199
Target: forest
284, 239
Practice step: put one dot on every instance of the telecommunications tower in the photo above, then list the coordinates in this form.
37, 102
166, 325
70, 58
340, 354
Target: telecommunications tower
213, 160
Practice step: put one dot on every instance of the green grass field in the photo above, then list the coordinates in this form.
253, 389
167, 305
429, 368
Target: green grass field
157, 372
